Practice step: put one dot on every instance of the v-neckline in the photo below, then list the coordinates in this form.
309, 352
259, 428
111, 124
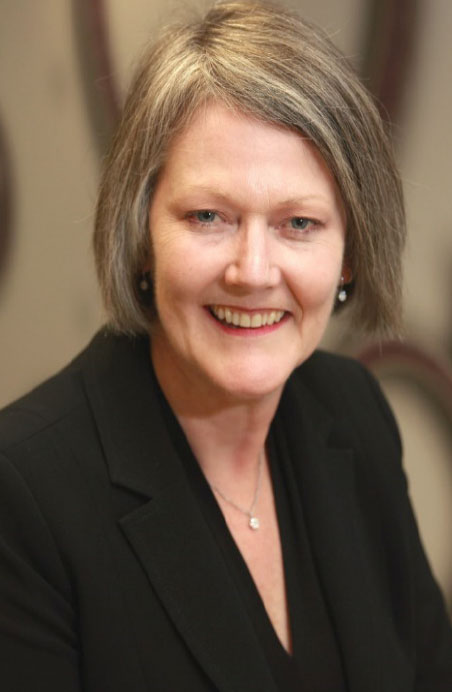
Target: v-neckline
286, 666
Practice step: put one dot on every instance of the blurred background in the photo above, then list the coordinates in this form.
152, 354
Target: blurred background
64, 67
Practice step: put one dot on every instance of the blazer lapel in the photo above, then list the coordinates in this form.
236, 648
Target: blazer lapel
373, 657
168, 532
326, 480
337, 549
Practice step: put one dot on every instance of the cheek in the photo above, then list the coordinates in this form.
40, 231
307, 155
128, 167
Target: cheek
315, 283
177, 276
186, 265
170, 285
167, 259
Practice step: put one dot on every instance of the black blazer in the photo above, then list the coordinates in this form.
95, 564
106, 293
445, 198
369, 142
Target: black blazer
110, 580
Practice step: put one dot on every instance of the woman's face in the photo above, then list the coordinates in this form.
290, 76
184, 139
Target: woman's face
248, 233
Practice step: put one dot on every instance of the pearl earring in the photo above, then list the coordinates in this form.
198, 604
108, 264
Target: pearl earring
342, 295
145, 288
144, 283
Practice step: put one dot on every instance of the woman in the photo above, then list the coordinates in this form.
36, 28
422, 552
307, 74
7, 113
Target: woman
201, 500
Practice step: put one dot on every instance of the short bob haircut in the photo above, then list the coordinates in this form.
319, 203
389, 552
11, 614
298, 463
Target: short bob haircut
265, 61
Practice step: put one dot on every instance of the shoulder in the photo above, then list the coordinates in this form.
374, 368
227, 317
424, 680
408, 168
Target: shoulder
52, 436
52, 466
66, 395
41, 435
44, 434
338, 379
43, 407
341, 381
324, 368
52, 481
353, 398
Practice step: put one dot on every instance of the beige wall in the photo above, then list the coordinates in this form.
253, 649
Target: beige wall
49, 304
48, 299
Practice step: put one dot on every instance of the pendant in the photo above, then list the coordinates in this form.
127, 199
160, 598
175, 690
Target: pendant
254, 523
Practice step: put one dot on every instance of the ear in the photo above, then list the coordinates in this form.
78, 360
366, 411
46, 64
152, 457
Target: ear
148, 258
148, 264
347, 273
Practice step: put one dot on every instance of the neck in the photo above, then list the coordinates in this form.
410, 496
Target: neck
227, 435
230, 440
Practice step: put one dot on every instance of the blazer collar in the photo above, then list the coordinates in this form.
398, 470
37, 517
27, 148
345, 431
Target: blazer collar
175, 546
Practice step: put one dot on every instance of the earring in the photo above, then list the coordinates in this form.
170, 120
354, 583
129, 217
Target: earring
342, 294
144, 282
146, 289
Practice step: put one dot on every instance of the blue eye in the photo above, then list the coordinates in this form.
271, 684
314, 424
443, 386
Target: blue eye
300, 223
205, 216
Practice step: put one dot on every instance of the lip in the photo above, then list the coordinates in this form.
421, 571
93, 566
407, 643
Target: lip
247, 331
250, 311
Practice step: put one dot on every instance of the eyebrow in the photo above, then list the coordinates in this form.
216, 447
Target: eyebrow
224, 197
204, 190
299, 201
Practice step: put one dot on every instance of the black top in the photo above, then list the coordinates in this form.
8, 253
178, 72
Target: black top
315, 664
112, 579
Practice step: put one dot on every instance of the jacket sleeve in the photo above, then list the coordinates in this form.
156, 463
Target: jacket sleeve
431, 622
38, 642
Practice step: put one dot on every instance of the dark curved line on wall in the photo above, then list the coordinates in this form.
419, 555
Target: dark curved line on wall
6, 203
414, 364
387, 56
390, 40
103, 99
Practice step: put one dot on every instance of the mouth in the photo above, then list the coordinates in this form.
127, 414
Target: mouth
239, 319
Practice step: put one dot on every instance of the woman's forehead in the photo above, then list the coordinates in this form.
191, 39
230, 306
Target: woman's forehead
223, 152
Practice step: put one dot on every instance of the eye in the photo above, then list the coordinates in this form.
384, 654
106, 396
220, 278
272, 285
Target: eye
203, 216
300, 223
207, 220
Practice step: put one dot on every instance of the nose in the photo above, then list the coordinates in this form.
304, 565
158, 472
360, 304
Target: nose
252, 265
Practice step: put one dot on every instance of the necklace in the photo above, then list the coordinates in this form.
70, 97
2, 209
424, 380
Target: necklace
253, 521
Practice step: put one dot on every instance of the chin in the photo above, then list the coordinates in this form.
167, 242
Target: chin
254, 383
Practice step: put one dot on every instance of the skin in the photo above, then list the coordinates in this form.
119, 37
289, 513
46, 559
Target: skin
245, 215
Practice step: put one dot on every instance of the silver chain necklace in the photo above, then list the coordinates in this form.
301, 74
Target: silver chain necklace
253, 521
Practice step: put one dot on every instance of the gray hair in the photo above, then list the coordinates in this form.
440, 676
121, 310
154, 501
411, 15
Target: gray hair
265, 61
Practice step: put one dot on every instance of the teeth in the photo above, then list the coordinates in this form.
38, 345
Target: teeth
245, 320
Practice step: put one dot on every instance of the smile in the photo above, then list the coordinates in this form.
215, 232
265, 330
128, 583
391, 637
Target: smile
245, 320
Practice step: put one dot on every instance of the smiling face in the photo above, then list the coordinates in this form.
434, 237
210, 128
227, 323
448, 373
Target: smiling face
248, 234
